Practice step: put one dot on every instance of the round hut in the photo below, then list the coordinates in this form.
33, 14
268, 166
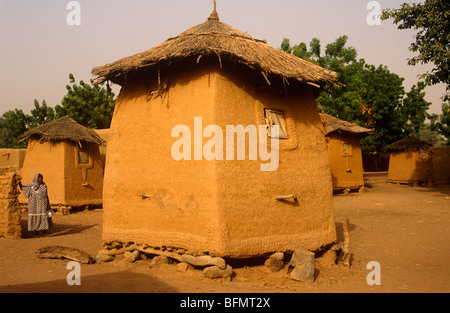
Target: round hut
410, 162
67, 155
206, 87
345, 152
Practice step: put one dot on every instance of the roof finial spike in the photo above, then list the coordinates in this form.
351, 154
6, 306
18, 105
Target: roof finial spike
214, 15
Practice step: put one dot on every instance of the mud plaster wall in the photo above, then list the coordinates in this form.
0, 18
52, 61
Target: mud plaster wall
48, 159
346, 169
12, 158
181, 209
104, 134
441, 164
83, 182
253, 221
62, 173
410, 166
10, 210
200, 205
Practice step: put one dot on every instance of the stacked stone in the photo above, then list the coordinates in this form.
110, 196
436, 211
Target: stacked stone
10, 209
214, 267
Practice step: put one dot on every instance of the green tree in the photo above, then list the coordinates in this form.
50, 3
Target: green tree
91, 106
441, 122
432, 42
414, 109
431, 136
444, 124
382, 94
13, 124
286, 45
367, 95
41, 114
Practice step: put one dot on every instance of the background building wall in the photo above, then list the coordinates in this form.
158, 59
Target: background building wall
83, 183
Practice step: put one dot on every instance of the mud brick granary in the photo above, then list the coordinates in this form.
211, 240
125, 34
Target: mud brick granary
67, 155
345, 152
225, 77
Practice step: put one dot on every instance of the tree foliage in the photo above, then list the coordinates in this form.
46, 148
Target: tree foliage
13, 124
441, 122
368, 95
414, 109
41, 114
432, 42
91, 106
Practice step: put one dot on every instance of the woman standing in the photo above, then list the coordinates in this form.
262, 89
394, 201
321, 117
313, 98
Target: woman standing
38, 205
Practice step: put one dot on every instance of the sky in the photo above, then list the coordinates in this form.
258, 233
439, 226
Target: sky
38, 47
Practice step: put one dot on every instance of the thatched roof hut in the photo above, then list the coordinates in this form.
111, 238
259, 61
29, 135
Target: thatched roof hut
216, 75
216, 39
64, 129
345, 152
410, 144
410, 161
67, 155
333, 124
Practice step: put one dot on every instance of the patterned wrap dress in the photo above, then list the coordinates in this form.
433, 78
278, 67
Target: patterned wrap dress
38, 205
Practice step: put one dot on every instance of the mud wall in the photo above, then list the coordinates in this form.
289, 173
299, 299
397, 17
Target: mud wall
202, 205
10, 210
12, 158
441, 164
410, 166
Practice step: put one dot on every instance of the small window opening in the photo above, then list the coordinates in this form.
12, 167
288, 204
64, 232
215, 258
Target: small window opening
346, 149
275, 117
83, 156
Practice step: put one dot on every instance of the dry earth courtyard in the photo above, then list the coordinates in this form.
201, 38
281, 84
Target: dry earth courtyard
404, 228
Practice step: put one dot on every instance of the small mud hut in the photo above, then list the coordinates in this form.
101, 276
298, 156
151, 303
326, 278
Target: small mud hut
410, 162
67, 155
220, 76
441, 165
345, 152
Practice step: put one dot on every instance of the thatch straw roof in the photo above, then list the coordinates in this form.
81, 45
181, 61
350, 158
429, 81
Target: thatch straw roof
64, 129
333, 124
412, 144
216, 39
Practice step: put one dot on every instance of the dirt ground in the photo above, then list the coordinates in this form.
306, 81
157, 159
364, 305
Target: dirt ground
404, 228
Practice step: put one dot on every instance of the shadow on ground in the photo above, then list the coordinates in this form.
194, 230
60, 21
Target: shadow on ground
119, 282
57, 229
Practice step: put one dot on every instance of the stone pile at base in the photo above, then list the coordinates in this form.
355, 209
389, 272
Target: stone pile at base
213, 267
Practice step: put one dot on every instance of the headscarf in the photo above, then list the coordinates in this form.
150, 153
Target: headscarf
34, 187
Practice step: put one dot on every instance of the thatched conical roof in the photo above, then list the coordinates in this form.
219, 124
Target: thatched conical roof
412, 144
64, 129
217, 39
334, 124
